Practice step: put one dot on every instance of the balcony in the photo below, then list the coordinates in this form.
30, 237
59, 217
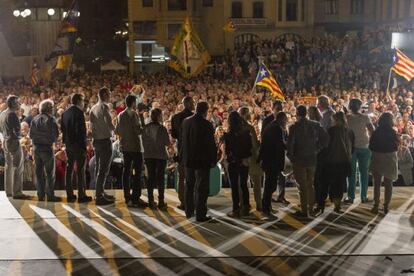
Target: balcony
250, 22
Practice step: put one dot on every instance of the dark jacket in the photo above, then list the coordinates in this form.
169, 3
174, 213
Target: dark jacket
10, 128
155, 139
176, 124
198, 148
273, 148
73, 128
238, 145
266, 122
384, 140
306, 139
44, 130
341, 141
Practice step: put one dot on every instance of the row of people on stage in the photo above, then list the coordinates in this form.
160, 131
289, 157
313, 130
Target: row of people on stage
322, 146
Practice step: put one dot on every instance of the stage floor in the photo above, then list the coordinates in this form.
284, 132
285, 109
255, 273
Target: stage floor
38, 238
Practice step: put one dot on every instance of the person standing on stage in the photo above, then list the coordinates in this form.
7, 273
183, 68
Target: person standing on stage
272, 157
255, 171
384, 144
362, 127
156, 139
198, 154
73, 128
176, 125
44, 132
102, 127
306, 139
238, 149
129, 130
10, 129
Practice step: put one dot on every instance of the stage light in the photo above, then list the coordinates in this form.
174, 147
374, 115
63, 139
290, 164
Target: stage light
64, 14
16, 13
51, 12
27, 12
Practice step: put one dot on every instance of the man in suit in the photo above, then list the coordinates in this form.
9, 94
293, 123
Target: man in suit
130, 130
198, 154
10, 129
73, 129
272, 157
102, 127
305, 141
176, 124
44, 133
277, 107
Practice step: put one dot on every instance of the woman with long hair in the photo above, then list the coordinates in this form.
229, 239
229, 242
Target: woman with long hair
338, 162
384, 145
238, 149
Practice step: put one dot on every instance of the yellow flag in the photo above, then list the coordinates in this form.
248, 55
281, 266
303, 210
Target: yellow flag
229, 27
64, 62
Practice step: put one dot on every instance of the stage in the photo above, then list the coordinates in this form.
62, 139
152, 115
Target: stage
39, 238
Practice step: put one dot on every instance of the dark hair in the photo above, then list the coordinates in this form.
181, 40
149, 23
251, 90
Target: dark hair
202, 108
187, 101
314, 113
340, 118
235, 122
278, 105
301, 111
355, 105
102, 92
155, 114
76, 98
130, 100
281, 116
12, 101
386, 120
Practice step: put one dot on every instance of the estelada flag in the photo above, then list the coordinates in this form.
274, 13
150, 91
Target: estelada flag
188, 54
403, 65
265, 79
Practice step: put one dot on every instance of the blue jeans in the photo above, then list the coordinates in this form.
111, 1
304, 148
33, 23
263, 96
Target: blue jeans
45, 161
363, 158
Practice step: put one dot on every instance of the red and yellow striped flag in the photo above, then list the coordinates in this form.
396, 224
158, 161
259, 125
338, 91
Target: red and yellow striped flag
265, 79
403, 65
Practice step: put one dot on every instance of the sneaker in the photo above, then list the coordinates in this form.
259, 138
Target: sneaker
103, 201
71, 198
54, 199
349, 201
234, 214
22, 196
84, 199
374, 210
269, 214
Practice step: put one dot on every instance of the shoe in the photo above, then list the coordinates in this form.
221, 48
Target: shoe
318, 210
22, 196
245, 212
103, 201
54, 199
234, 214
386, 210
84, 199
349, 201
282, 200
269, 214
162, 205
204, 219
374, 210
40, 198
71, 198
337, 209
365, 200
181, 207
188, 216
151, 204
140, 203
108, 196
301, 214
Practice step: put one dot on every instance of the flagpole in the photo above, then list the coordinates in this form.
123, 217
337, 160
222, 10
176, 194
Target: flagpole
254, 86
389, 80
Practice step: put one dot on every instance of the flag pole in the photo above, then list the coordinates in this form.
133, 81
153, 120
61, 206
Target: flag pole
255, 81
389, 80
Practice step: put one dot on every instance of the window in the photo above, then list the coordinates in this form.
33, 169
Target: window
389, 10
331, 7
357, 6
407, 8
291, 10
280, 10
147, 3
145, 28
207, 3
177, 5
302, 16
258, 9
237, 10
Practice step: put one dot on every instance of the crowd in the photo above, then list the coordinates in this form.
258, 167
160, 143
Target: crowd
91, 130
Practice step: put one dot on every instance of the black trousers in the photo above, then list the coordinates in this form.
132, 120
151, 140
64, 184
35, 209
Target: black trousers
134, 160
156, 172
238, 175
196, 192
270, 185
78, 156
281, 184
